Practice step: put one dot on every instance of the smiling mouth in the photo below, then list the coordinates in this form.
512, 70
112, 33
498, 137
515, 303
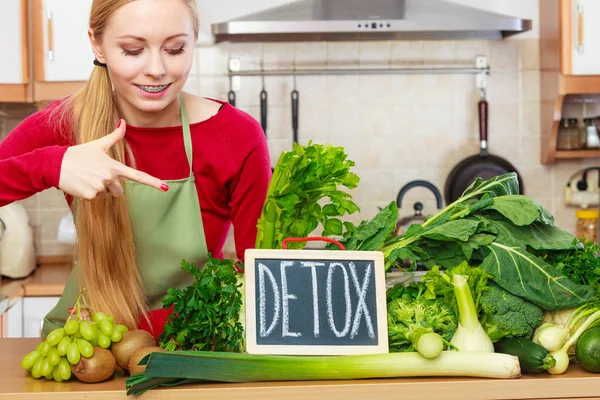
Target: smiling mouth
153, 88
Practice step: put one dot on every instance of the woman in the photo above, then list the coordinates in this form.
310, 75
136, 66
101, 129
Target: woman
165, 185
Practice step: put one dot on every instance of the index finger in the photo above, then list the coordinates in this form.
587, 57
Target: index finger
141, 177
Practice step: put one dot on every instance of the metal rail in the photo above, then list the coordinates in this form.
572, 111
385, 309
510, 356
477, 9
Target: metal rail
359, 71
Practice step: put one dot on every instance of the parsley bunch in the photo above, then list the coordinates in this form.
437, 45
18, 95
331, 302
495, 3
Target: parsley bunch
206, 314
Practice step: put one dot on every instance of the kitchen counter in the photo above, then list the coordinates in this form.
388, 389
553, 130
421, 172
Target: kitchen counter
16, 384
47, 280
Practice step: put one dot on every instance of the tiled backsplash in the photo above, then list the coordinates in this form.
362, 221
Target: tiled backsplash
396, 127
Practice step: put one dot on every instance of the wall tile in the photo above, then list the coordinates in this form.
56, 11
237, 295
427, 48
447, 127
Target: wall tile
375, 54
278, 56
342, 54
529, 54
530, 86
467, 50
439, 53
504, 55
375, 89
249, 54
310, 55
503, 87
407, 53
213, 60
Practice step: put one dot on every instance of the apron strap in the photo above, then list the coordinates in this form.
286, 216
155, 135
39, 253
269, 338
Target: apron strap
187, 135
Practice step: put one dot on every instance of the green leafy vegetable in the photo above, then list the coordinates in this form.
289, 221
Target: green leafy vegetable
525, 275
206, 314
418, 323
369, 235
494, 227
580, 263
301, 179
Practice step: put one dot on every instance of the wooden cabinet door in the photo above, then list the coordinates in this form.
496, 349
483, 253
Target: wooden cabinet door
585, 37
13, 42
63, 50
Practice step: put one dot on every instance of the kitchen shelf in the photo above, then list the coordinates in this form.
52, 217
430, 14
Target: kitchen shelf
570, 154
558, 79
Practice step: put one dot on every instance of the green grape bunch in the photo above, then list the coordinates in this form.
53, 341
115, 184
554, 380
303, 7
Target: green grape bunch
63, 347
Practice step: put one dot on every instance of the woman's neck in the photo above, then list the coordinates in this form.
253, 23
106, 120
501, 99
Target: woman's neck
169, 116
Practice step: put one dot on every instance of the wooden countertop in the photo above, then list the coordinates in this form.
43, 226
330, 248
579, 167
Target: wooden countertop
16, 384
47, 280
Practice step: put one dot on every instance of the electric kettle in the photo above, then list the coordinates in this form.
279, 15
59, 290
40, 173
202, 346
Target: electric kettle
17, 248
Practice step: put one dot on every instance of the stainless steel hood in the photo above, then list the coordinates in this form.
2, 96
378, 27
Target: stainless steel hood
325, 20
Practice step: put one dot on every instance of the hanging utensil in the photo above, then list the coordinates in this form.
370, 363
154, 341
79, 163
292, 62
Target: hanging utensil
482, 165
295, 103
231, 93
263, 107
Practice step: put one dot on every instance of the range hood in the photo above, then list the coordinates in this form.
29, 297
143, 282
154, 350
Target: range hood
329, 20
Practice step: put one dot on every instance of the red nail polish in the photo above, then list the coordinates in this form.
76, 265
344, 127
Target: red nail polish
119, 125
164, 187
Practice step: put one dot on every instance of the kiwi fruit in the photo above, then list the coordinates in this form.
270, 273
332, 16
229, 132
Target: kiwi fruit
137, 356
97, 368
129, 343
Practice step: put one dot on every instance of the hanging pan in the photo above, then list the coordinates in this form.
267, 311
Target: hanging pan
482, 165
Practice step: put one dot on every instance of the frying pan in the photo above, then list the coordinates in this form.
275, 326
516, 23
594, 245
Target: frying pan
483, 165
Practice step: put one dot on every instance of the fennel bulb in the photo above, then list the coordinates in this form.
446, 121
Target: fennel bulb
469, 335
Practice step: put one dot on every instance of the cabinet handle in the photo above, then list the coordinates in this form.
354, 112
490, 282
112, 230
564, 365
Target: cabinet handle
50, 37
580, 28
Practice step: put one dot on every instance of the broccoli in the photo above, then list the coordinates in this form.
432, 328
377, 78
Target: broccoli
418, 323
504, 314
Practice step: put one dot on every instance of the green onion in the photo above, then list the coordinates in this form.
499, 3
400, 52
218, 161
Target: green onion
243, 367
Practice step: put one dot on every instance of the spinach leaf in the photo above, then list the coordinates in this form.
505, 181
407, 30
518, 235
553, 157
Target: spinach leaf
538, 236
497, 186
453, 230
520, 210
526, 276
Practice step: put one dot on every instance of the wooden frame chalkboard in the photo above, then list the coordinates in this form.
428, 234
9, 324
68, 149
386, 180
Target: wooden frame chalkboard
315, 302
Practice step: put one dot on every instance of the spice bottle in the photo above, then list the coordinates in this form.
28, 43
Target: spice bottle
574, 134
587, 224
563, 142
592, 140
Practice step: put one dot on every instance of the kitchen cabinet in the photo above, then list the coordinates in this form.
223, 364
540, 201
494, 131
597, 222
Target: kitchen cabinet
14, 68
49, 53
34, 311
581, 43
63, 50
25, 316
569, 65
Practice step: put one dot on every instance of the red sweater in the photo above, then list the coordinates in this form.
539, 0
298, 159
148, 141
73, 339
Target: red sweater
231, 165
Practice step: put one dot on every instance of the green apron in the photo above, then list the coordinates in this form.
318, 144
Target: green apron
167, 227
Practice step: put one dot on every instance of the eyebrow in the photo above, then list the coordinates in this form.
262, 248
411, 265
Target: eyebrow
141, 39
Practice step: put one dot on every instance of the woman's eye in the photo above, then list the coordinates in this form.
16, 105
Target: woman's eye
133, 53
175, 52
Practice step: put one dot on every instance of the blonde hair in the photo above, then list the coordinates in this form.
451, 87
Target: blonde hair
105, 245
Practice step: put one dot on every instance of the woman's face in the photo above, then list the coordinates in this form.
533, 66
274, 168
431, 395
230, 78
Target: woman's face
148, 46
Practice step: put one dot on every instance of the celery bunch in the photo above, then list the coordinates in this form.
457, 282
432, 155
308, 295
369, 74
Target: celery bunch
301, 179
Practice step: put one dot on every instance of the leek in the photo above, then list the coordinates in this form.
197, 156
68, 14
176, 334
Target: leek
203, 366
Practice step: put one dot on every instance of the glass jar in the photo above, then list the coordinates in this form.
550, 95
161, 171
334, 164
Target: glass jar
562, 142
574, 134
587, 224
592, 141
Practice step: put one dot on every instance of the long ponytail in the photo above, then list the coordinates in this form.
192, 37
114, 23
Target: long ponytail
105, 246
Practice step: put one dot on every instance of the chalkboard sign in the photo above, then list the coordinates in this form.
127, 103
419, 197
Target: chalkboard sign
319, 302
